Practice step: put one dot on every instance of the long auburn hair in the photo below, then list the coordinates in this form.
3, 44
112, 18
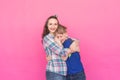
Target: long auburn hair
45, 30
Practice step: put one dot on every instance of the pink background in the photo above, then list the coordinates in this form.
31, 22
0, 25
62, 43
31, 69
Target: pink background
95, 22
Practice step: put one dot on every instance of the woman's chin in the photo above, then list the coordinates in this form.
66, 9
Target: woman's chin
52, 31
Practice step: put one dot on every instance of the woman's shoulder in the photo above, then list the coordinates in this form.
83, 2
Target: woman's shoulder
48, 37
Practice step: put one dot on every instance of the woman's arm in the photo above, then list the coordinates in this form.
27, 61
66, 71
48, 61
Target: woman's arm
53, 46
65, 57
74, 47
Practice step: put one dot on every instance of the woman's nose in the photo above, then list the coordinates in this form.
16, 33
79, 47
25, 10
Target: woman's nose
53, 25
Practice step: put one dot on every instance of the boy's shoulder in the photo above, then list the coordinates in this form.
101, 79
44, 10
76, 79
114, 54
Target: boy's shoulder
69, 40
74, 39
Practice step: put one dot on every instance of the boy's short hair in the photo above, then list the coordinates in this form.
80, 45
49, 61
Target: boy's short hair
61, 29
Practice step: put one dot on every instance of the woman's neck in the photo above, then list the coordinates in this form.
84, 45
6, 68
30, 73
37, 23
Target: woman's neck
52, 34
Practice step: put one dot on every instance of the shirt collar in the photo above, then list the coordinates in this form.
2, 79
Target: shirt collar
51, 35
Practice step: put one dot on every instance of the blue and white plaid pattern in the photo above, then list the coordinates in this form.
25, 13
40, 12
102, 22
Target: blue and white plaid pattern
56, 64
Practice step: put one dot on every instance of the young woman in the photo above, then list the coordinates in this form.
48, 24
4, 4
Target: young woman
56, 67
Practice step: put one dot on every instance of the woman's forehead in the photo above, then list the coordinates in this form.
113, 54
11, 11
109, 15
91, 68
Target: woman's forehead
52, 20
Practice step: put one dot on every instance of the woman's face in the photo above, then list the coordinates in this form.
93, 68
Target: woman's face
52, 25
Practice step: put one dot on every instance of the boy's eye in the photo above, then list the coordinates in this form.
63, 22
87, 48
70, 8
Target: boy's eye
57, 36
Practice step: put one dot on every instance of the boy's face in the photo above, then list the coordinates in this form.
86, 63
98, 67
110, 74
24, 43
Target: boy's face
61, 37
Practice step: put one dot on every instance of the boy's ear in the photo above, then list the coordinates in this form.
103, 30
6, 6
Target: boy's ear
66, 34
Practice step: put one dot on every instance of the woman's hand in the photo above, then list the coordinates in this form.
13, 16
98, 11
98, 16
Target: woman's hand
48, 58
64, 58
75, 46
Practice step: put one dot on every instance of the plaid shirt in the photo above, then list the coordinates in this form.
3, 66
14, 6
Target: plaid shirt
56, 64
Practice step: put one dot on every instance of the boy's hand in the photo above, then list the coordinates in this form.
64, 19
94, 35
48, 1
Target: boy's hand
57, 40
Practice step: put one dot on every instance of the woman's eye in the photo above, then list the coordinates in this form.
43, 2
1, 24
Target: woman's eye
50, 24
56, 24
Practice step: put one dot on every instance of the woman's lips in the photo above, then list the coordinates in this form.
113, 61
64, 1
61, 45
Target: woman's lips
52, 28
